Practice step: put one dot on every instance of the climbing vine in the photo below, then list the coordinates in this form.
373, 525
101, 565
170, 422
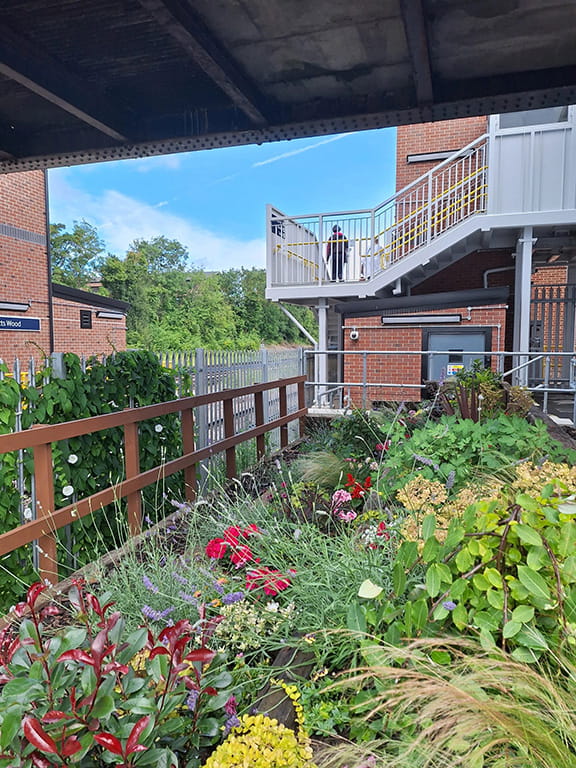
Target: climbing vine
85, 464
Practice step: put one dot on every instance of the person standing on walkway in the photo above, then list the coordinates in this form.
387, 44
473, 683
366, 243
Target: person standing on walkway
337, 252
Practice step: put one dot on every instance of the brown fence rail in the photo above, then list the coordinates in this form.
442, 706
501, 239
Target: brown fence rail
40, 439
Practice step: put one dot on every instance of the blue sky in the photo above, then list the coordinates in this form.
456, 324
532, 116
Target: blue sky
214, 201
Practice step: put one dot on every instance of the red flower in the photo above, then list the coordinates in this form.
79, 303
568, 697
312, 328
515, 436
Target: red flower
241, 555
250, 529
358, 489
382, 531
216, 548
267, 579
231, 535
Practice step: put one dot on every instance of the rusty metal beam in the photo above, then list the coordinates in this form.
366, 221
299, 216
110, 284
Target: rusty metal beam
417, 38
180, 21
41, 73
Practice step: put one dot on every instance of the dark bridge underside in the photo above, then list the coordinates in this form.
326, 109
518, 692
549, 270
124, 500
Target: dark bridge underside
89, 80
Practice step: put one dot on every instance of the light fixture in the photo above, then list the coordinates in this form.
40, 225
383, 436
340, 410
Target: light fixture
411, 319
12, 306
110, 315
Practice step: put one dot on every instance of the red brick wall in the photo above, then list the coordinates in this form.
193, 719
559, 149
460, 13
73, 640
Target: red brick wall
24, 279
105, 336
404, 369
432, 137
23, 264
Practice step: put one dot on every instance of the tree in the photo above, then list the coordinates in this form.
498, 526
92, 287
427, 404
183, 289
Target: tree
75, 254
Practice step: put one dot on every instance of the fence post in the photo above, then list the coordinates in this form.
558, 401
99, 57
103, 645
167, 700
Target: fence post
264, 363
132, 467
229, 432
302, 404
283, 412
259, 413
190, 480
201, 388
46, 545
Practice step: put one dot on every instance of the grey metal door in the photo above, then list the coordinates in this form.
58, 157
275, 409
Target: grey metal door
454, 348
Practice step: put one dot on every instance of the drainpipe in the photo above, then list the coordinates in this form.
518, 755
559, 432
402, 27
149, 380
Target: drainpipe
49, 267
493, 271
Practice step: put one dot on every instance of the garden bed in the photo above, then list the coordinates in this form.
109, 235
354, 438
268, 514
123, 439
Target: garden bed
398, 545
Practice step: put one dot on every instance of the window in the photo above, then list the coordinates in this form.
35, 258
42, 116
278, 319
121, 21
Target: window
534, 117
85, 318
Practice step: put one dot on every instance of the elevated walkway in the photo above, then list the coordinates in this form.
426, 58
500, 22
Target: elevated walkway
483, 196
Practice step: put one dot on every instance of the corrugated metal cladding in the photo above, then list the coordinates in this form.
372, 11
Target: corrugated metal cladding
100, 79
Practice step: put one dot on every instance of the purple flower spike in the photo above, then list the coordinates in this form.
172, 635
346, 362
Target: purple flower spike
233, 597
192, 700
149, 585
449, 605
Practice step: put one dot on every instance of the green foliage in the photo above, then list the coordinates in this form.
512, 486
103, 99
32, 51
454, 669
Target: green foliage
75, 254
90, 462
505, 571
173, 308
479, 393
477, 708
95, 695
465, 448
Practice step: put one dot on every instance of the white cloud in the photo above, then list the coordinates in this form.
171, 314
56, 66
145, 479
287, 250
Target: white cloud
121, 219
299, 151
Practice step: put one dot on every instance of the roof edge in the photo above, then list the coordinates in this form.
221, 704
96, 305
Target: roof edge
86, 297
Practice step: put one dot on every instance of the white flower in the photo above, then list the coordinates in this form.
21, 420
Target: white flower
158, 428
297, 534
28, 514
68, 490
272, 606
72, 459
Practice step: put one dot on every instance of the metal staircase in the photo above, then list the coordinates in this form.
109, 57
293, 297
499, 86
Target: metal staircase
482, 196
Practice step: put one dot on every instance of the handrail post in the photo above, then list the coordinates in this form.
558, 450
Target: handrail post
188, 446
259, 413
321, 264
429, 207
229, 432
132, 468
283, 412
301, 405
364, 379
46, 545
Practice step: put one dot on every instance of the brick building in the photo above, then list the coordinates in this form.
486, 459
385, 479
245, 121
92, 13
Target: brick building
36, 316
475, 252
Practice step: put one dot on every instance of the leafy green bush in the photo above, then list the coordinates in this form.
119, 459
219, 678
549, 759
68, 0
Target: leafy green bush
462, 448
505, 571
85, 464
91, 694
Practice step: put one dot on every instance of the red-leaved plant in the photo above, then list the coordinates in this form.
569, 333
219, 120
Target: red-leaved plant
90, 694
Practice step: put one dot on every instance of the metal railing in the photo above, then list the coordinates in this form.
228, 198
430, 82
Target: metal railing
539, 372
454, 190
44, 528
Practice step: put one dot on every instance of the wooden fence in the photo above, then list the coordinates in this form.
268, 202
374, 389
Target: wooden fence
40, 439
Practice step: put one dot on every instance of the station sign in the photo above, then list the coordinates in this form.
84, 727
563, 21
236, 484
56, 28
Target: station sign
19, 323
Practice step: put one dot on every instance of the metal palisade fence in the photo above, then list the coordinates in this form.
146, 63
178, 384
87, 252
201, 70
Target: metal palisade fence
207, 371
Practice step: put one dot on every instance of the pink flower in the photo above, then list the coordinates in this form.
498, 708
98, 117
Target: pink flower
383, 446
339, 498
216, 548
347, 516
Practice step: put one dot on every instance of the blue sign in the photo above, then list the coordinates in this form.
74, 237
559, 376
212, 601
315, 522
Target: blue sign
19, 323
